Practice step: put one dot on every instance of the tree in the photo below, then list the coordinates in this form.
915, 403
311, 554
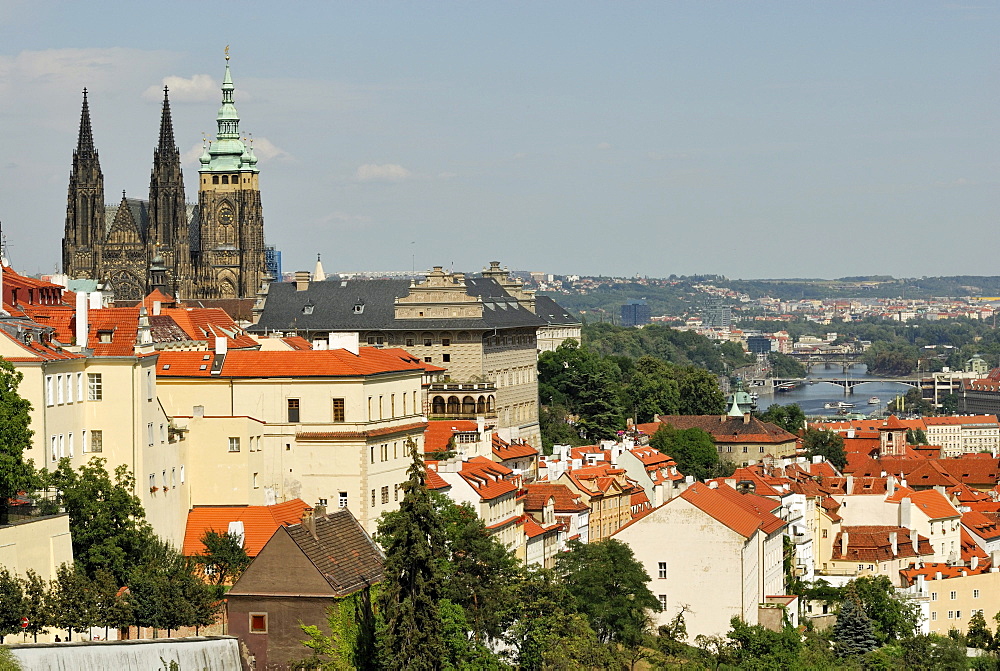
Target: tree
652, 389
826, 444
112, 609
16, 474
351, 644
978, 634
894, 617
547, 632
699, 393
854, 632
756, 647
413, 538
165, 592
479, 571
105, 516
783, 365
36, 604
223, 559
933, 653
609, 587
692, 449
72, 599
788, 417
11, 604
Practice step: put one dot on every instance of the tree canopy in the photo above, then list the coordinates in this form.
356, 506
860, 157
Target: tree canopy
693, 450
827, 444
16, 474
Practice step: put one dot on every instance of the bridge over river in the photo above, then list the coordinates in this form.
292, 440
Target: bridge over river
848, 383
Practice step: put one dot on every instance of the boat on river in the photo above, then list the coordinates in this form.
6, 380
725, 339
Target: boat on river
839, 404
874, 401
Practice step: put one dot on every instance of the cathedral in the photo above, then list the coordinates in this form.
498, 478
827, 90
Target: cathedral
210, 250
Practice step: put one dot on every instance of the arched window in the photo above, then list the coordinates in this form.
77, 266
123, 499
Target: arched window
215, 179
438, 405
225, 179
481, 405
453, 405
490, 403
468, 406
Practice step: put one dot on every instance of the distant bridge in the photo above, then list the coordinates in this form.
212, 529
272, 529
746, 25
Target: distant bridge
842, 359
846, 382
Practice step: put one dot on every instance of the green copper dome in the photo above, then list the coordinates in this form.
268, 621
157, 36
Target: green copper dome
228, 153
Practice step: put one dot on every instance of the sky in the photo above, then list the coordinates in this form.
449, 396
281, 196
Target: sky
749, 139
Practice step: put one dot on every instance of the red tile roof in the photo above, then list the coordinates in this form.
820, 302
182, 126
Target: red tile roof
515, 449
259, 523
724, 429
872, 543
565, 499
439, 432
744, 517
284, 364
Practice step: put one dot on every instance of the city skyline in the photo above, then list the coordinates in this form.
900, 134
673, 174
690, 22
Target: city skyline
675, 138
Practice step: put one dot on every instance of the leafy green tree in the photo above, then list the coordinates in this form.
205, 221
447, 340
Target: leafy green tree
547, 632
700, 393
72, 600
978, 634
934, 653
112, 608
894, 617
461, 652
788, 417
413, 539
224, 559
827, 444
165, 592
16, 474
891, 359
651, 389
351, 644
36, 604
12, 605
783, 365
479, 570
949, 404
609, 586
8, 662
692, 449
854, 632
105, 516
556, 428
756, 647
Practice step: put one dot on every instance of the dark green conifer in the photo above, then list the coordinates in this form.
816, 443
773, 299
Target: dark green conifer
414, 542
853, 634
978, 635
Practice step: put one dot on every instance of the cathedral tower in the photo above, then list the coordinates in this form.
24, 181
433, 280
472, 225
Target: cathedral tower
231, 258
168, 238
84, 204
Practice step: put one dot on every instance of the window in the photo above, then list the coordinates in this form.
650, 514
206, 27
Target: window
385, 495
163, 433
428, 342
79, 386
105, 336
152, 481
395, 492
322, 502
59, 389
62, 446
663, 601
255, 485
293, 411
97, 441
95, 387
149, 434
934, 615
373, 498
342, 499
446, 358
234, 444
380, 415
427, 359
258, 623
338, 410
392, 405
69, 387
182, 474
951, 615
933, 596
953, 595
385, 452
826, 533
445, 342
409, 342
958, 615
662, 570
70, 441
55, 455
149, 385
975, 594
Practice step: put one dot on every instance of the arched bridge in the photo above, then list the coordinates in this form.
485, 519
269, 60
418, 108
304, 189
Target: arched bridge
846, 382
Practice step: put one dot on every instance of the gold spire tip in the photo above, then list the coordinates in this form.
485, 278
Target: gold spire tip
227, 52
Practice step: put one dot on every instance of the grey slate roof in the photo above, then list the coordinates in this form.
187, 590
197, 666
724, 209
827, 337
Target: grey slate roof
553, 313
341, 551
333, 308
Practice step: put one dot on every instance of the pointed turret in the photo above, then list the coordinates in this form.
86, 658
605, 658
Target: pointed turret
319, 274
166, 126
85, 139
84, 203
168, 228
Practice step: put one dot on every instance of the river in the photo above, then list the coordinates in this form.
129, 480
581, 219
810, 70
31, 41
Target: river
813, 397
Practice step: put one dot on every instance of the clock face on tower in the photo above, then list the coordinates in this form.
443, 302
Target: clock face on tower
226, 216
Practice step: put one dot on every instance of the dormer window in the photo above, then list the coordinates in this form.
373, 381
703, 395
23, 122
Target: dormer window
308, 308
359, 308
105, 336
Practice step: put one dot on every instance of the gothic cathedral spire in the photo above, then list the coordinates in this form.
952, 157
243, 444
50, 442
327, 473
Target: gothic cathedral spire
84, 204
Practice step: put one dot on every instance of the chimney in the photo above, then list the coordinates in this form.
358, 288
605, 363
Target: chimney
156, 308
301, 280
221, 346
995, 559
82, 314
974, 562
346, 340
309, 522
712, 484
937, 575
746, 417
893, 537
319, 510
904, 512
890, 485
849, 485
96, 300
843, 544
915, 542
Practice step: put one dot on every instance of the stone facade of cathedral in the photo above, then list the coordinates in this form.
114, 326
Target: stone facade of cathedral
210, 250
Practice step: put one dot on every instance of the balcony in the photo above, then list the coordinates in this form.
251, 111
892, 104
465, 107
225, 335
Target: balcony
461, 400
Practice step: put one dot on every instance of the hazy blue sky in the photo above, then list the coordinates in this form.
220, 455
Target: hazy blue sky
754, 139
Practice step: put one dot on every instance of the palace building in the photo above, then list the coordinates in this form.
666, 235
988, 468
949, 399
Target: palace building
210, 250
